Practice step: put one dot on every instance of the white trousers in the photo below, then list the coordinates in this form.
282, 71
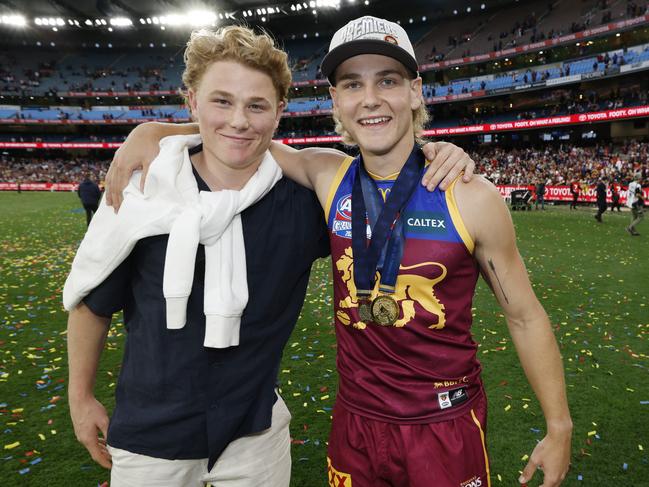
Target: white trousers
259, 460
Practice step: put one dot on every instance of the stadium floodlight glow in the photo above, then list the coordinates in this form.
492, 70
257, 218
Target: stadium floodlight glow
311, 4
16, 20
423, 19
410, 21
37, 21
327, 3
367, 2
293, 8
263, 19
314, 12
60, 22
121, 22
88, 22
245, 14
483, 6
468, 10
454, 12
156, 20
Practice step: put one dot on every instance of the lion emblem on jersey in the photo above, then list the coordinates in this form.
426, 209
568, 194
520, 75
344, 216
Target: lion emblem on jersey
411, 289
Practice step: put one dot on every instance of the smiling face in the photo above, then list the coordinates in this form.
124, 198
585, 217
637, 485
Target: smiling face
237, 110
374, 100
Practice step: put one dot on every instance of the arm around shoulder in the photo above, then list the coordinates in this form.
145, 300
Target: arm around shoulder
313, 167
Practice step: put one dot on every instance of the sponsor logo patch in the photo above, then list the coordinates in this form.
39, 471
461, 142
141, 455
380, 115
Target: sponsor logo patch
426, 222
472, 482
336, 478
390, 39
452, 398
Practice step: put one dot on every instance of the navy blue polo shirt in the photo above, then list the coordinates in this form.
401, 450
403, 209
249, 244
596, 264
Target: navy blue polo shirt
176, 399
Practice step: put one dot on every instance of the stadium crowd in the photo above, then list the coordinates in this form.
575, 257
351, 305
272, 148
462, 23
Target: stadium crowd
555, 164
565, 163
50, 169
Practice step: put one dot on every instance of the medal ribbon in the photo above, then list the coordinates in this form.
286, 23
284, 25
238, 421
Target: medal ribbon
386, 227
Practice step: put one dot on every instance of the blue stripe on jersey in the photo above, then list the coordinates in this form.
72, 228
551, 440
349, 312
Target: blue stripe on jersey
426, 216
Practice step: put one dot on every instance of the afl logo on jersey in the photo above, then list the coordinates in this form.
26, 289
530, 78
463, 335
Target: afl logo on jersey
342, 224
344, 208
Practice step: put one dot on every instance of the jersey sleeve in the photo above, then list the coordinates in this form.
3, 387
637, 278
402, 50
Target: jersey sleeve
111, 295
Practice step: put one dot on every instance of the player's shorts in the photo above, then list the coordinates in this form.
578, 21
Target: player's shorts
367, 453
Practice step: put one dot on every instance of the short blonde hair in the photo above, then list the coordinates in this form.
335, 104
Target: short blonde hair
420, 118
239, 44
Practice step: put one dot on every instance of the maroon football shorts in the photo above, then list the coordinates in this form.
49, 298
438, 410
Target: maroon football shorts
367, 453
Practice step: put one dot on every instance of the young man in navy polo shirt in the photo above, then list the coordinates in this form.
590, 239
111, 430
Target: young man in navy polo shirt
186, 414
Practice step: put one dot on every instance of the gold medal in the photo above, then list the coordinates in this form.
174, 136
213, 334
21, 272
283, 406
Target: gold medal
385, 310
365, 310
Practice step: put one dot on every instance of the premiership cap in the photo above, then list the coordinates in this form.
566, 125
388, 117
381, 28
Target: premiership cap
369, 35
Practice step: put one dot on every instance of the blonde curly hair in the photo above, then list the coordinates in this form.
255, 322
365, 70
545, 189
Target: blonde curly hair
240, 44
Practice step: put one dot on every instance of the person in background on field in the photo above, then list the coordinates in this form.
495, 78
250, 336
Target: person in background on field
600, 191
616, 188
90, 194
635, 201
540, 193
575, 189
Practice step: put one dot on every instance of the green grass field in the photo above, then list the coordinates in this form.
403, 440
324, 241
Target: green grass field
591, 278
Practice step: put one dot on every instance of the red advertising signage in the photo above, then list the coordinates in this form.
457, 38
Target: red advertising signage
562, 193
536, 123
552, 193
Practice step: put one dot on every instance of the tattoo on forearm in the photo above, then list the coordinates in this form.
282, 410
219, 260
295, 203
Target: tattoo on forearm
493, 269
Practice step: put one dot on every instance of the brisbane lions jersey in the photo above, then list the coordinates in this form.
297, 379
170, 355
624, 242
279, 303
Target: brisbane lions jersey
423, 368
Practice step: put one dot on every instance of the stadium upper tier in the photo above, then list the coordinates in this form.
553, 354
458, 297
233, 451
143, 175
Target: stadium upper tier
609, 63
51, 70
528, 22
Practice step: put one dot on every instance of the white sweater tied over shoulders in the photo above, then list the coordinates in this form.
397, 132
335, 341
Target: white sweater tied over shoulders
172, 204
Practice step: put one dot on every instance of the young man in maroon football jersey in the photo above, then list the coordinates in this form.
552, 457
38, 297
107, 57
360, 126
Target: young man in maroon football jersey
411, 408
